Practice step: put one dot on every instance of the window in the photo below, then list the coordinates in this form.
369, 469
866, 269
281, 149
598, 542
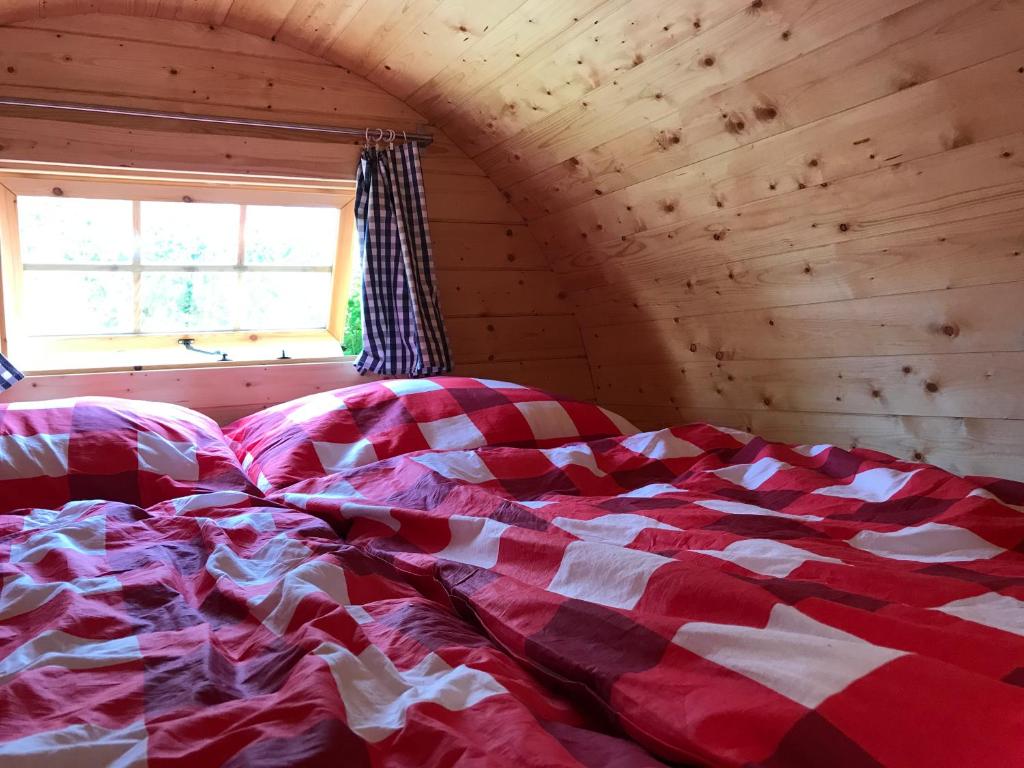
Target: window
114, 275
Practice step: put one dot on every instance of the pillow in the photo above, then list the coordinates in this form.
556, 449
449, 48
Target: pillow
57, 451
333, 431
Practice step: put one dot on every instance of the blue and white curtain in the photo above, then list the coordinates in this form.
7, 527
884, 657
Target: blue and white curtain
9, 375
403, 330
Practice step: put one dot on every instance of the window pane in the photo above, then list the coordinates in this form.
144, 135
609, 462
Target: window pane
70, 230
187, 301
189, 233
285, 299
290, 236
62, 303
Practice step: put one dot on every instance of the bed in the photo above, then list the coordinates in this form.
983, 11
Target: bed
459, 571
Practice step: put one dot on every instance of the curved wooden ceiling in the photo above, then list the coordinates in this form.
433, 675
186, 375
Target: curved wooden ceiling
797, 215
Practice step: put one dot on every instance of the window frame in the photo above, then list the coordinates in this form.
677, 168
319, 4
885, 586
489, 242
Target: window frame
148, 351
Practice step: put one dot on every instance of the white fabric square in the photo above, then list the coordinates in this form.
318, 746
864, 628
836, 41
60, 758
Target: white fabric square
410, 386
548, 419
316, 407
337, 457
620, 528
621, 423
874, 485
475, 540
661, 445
739, 508
575, 455
604, 574
455, 432
165, 457
752, 476
457, 465
492, 384
794, 655
377, 695
928, 543
649, 491
87, 537
81, 744
767, 556
33, 456
55, 648
991, 609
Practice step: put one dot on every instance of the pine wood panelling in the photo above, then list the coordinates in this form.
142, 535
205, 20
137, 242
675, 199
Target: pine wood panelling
765, 194
934, 38
979, 251
977, 319
976, 385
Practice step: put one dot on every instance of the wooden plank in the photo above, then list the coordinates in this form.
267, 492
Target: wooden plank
977, 385
68, 67
454, 198
747, 43
441, 38
497, 293
554, 81
209, 36
933, 39
312, 25
977, 180
966, 107
510, 43
958, 254
244, 387
978, 319
470, 245
510, 339
375, 30
262, 18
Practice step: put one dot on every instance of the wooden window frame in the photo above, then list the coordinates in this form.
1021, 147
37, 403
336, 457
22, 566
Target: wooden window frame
141, 351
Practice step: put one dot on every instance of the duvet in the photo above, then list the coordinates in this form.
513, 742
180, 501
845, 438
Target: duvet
581, 595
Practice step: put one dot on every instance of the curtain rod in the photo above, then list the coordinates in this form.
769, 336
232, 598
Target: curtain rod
423, 139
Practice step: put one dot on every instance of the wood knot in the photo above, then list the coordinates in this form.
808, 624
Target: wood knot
719, 355
57, 192
709, 61
693, 347
765, 113
918, 456
931, 386
844, 227
950, 330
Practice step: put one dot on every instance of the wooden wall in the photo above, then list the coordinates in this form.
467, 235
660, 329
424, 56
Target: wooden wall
798, 216
505, 312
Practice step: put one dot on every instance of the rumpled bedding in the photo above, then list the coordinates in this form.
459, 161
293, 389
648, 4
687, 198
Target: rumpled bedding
688, 596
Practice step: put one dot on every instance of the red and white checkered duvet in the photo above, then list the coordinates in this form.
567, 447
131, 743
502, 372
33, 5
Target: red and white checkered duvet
691, 595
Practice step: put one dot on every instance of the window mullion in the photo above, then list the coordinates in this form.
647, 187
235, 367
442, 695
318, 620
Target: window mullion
136, 266
240, 266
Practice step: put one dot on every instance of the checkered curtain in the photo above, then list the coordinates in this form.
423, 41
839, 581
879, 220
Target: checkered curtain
9, 375
403, 330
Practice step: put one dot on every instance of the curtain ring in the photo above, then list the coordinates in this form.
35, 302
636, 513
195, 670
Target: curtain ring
391, 138
380, 136
366, 138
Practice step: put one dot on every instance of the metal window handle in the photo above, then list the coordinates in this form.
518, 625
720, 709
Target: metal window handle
189, 344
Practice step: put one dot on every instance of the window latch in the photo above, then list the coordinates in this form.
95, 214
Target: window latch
189, 344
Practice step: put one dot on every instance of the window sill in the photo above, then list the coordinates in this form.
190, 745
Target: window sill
95, 354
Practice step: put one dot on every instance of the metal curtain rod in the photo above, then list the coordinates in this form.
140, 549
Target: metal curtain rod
423, 139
